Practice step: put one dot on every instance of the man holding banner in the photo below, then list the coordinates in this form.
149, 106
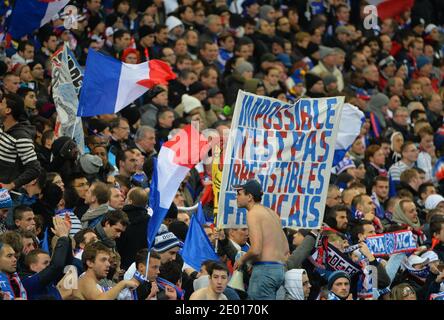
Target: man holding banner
268, 245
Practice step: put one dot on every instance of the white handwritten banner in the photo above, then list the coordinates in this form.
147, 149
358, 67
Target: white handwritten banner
67, 79
288, 149
391, 243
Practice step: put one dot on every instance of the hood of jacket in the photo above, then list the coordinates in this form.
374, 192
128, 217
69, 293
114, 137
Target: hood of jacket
293, 284
92, 214
400, 217
135, 214
22, 129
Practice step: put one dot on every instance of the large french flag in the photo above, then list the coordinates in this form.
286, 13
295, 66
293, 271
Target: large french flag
29, 15
176, 158
109, 85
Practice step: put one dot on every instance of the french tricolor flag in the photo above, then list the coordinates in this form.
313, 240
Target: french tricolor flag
29, 15
109, 85
176, 158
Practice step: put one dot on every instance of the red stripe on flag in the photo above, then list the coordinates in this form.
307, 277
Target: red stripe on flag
393, 8
159, 73
189, 147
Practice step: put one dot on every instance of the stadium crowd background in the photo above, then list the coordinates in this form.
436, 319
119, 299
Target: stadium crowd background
282, 49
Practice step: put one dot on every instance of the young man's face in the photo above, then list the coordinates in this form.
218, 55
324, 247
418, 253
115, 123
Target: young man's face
116, 200
169, 255
382, 189
101, 265
341, 287
8, 261
219, 281
81, 185
306, 285
28, 245
42, 262
242, 199
26, 222
115, 231
369, 230
154, 269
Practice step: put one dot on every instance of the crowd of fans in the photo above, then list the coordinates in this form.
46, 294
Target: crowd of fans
87, 208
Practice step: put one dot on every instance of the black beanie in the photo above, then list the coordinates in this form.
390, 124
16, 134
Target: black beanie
179, 228
311, 79
335, 276
145, 31
172, 212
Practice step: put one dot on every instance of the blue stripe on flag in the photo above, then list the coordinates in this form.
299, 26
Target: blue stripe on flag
100, 85
26, 16
197, 247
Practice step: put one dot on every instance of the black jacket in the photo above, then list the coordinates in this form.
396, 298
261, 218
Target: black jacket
18, 160
134, 238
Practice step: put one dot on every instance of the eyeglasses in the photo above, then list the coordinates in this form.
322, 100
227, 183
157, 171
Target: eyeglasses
407, 292
124, 128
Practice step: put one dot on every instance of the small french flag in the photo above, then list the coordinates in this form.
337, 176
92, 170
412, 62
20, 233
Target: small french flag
29, 15
109, 85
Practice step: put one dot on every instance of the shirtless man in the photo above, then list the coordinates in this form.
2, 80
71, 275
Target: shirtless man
268, 245
218, 282
96, 261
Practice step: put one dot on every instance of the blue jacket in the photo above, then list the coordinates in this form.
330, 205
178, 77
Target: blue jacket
42, 285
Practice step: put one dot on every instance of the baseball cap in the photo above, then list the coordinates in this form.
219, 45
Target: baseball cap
430, 255
414, 259
251, 186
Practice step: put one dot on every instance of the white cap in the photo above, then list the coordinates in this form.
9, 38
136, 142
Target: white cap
430, 255
109, 31
433, 200
172, 22
414, 259
430, 28
190, 103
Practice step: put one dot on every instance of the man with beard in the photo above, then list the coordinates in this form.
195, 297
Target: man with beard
268, 244
96, 261
11, 288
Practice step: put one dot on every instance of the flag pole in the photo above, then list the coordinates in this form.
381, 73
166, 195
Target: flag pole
147, 264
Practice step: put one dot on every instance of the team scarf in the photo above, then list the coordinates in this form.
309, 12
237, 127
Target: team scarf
328, 257
366, 279
421, 274
5, 285
437, 296
390, 243
332, 296
162, 283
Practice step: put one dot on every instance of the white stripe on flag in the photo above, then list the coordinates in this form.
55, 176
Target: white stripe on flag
129, 90
170, 176
52, 10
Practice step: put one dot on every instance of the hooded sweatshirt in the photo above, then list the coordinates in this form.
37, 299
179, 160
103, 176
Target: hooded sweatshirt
293, 285
18, 160
91, 217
